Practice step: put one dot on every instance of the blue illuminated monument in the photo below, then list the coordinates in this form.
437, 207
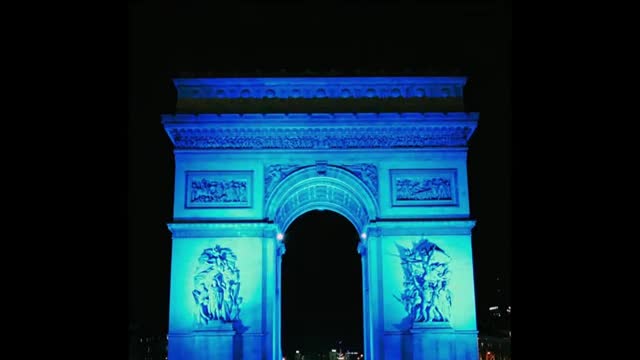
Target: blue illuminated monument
387, 153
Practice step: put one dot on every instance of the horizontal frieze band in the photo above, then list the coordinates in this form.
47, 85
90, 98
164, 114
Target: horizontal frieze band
325, 138
248, 106
421, 227
320, 119
320, 131
320, 87
227, 229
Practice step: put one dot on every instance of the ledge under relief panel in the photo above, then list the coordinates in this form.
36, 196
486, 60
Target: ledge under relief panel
424, 187
218, 189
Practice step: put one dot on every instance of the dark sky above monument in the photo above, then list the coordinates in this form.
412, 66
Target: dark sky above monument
465, 38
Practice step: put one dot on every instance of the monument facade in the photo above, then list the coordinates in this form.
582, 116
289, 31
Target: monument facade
387, 153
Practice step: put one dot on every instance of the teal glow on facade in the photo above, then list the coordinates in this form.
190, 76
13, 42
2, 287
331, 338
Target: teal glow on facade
399, 178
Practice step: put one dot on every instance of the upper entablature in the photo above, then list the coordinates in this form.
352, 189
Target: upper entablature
320, 87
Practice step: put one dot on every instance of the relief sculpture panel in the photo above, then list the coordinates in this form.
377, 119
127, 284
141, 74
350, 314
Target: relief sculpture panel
218, 189
424, 187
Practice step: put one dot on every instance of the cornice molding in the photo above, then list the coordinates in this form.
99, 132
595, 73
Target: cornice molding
320, 131
421, 227
242, 229
319, 119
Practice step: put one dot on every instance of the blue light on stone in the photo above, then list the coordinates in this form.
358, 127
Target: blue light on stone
321, 87
399, 178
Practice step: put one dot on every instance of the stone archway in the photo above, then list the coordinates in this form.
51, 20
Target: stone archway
348, 190
389, 154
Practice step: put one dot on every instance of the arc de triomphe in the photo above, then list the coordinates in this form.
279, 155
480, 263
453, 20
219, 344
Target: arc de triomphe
387, 153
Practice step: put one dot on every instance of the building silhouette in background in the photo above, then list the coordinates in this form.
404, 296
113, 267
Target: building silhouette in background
494, 338
143, 346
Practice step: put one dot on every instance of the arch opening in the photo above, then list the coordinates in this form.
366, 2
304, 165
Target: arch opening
321, 286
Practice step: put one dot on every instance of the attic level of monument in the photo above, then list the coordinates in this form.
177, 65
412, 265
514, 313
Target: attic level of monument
322, 87
447, 71
321, 94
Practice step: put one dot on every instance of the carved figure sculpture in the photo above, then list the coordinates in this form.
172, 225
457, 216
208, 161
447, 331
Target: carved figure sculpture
426, 296
217, 286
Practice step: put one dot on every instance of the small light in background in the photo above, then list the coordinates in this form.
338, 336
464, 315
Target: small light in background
363, 235
280, 236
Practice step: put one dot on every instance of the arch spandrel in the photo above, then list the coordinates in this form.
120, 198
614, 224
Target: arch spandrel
321, 187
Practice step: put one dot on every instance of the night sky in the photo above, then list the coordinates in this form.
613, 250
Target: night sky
445, 37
